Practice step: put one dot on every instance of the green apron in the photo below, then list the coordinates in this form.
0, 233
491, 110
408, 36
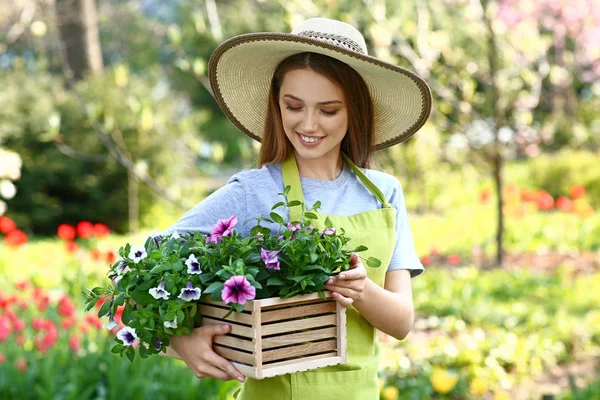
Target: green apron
357, 379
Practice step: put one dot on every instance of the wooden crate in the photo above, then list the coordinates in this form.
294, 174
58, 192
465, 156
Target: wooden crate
277, 336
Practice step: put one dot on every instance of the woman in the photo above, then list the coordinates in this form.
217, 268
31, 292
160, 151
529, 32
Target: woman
320, 106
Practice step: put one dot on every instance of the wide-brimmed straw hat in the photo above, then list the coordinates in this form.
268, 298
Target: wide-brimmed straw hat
241, 69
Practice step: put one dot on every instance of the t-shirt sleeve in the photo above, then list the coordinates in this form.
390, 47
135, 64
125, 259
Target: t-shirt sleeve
405, 256
223, 203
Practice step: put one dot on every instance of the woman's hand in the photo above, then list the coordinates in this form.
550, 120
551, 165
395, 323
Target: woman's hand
197, 352
349, 285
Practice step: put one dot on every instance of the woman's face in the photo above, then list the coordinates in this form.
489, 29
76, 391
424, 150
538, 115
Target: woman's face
314, 114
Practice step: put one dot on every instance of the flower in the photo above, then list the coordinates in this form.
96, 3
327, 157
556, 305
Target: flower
15, 238
121, 267
85, 229
270, 258
175, 235
171, 324
189, 292
193, 265
237, 289
309, 228
329, 231
111, 323
577, 191
7, 225
66, 232
101, 230
127, 335
454, 259
157, 344
159, 292
75, 343
66, 307
138, 253
293, 228
213, 239
224, 227
442, 380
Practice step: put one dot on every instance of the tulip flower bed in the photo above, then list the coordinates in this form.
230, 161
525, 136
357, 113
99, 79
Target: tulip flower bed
484, 333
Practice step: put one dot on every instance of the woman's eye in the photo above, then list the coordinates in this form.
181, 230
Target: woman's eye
293, 108
329, 112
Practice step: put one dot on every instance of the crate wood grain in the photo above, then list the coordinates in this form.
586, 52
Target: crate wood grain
277, 336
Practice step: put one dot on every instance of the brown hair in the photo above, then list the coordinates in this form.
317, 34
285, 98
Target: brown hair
357, 144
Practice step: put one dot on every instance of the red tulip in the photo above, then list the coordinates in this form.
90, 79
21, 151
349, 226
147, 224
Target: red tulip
75, 343
20, 340
66, 232
66, 307
577, 191
5, 328
38, 324
101, 230
94, 321
18, 325
72, 247
85, 229
453, 259
426, 260
545, 201
67, 323
96, 255
23, 285
7, 225
21, 364
564, 204
15, 238
2, 358
111, 257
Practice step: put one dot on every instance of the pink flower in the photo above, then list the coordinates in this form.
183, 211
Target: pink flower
329, 231
237, 289
293, 228
223, 228
270, 258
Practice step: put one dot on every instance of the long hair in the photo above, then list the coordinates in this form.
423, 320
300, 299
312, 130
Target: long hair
357, 144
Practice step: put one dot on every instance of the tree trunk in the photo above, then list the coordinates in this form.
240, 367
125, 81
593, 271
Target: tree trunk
78, 26
498, 160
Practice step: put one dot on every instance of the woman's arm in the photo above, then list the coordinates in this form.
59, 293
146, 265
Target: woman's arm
389, 309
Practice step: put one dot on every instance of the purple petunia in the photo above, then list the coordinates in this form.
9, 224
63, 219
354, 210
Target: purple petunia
237, 289
127, 335
193, 265
159, 292
329, 231
293, 228
224, 227
270, 258
189, 292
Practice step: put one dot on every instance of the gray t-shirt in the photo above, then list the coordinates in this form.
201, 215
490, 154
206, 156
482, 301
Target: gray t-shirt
251, 193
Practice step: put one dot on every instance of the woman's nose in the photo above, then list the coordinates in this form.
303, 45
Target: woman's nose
309, 122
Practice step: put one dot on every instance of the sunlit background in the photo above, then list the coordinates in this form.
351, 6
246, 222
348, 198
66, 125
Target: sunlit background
108, 131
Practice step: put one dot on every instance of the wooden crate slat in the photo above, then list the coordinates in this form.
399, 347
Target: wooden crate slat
299, 311
236, 329
219, 313
298, 325
275, 301
235, 355
300, 337
234, 342
341, 331
286, 367
303, 349
206, 300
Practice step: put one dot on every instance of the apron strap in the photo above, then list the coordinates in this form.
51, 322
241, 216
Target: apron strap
291, 176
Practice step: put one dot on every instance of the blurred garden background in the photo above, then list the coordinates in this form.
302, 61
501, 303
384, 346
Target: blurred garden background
108, 131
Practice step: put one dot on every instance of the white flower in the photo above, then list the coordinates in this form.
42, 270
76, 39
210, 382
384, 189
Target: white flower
127, 335
171, 324
159, 292
193, 265
111, 323
7, 189
138, 253
175, 235
118, 278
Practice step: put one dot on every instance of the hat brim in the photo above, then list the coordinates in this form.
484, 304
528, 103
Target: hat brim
241, 69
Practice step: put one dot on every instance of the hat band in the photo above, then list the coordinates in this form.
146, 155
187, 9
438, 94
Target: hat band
334, 39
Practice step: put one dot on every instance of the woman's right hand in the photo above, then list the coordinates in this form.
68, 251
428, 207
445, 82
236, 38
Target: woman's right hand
197, 352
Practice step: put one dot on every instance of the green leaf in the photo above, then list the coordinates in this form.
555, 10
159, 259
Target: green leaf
215, 286
120, 299
98, 290
277, 205
277, 218
157, 269
317, 205
294, 203
360, 248
216, 296
328, 223
193, 311
273, 281
105, 308
126, 316
310, 215
130, 353
177, 265
373, 262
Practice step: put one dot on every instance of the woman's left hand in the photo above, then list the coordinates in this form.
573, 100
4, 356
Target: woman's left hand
349, 285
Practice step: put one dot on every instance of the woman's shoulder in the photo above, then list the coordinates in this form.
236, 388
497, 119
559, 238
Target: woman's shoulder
264, 174
382, 179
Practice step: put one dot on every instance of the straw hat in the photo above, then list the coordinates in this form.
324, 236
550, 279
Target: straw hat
241, 68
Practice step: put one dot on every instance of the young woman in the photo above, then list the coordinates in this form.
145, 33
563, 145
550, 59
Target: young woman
319, 105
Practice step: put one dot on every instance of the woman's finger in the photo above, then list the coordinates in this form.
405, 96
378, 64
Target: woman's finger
213, 372
344, 301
